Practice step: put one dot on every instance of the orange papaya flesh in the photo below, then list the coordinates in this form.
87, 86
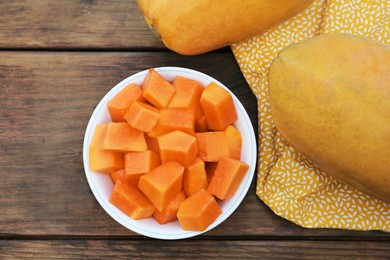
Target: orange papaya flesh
131, 201
198, 211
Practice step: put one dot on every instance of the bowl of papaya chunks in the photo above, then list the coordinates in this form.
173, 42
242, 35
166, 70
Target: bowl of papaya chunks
169, 153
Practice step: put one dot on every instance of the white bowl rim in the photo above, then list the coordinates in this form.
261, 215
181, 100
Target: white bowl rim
134, 225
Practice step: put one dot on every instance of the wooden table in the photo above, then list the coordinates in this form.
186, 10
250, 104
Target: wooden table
57, 60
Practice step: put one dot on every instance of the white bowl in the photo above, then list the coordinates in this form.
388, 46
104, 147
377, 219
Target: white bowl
102, 186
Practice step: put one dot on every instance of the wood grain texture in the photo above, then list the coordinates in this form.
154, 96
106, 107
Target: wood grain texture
77, 24
190, 249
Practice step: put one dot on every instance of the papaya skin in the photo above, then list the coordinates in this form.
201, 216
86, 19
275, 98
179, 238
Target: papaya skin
330, 100
197, 26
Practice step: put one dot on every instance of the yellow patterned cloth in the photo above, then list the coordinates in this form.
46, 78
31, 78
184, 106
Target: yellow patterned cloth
286, 182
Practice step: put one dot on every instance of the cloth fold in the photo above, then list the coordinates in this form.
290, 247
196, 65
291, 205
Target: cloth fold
286, 181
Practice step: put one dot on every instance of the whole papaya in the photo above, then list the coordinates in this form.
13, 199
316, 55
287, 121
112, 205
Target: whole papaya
330, 100
192, 27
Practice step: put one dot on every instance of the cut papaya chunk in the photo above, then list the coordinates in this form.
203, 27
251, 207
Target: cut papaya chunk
234, 140
142, 116
198, 211
120, 175
131, 201
195, 177
139, 163
187, 95
121, 102
101, 160
218, 107
178, 146
212, 146
116, 175
157, 90
105, 161
227, 178
174, 119
162, 183
122, 137
98, 136
169, 213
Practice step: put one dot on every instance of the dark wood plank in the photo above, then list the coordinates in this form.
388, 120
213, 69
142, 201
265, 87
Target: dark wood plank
46, 99
80, 24
209, 249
